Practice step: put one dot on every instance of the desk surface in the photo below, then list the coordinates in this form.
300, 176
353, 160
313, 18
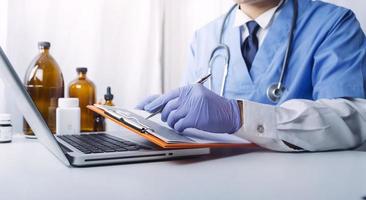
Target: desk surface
29, 171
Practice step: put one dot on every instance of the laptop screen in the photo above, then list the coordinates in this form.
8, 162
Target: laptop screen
28, 108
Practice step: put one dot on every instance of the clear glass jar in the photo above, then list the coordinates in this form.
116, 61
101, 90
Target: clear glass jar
6, 129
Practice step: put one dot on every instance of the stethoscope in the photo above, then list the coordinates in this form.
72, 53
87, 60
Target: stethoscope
275, 91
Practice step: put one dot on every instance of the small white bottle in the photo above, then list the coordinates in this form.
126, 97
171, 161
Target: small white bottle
68, 116
6, 129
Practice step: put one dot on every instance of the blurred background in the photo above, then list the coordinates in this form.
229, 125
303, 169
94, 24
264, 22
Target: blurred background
138, 47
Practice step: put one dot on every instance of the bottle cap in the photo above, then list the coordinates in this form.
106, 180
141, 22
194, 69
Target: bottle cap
68, 102
109, 95
83, 70
5, 117
44, 45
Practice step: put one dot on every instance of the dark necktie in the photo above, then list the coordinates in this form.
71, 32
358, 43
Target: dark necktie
250, 46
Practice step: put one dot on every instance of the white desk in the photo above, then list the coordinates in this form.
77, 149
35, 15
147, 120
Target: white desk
28, 171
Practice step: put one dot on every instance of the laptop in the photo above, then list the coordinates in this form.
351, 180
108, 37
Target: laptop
84, 149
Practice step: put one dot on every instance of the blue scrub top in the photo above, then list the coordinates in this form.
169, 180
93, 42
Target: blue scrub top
328, 58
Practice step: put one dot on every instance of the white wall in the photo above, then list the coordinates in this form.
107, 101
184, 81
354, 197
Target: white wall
119, 41
182, 18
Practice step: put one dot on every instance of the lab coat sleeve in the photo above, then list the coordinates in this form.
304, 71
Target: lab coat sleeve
326, 124
339, 65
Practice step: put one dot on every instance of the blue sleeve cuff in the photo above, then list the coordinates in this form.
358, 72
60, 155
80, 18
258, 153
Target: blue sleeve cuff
338, 90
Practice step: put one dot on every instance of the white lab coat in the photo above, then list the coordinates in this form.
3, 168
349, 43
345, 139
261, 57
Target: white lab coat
326, 124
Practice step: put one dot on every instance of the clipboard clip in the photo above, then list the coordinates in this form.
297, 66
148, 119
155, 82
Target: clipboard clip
126, 118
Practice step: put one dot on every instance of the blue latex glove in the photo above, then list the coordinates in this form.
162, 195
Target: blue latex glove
146, 101
195, 106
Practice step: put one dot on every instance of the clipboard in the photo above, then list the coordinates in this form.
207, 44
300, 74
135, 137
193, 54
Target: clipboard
150, 130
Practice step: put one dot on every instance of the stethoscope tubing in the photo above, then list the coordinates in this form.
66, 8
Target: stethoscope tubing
275, 91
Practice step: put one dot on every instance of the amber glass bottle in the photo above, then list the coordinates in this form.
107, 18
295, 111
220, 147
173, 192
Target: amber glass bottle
84, 89
100, 123
45, 84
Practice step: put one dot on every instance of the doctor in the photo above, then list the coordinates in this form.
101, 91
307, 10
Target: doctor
317, 104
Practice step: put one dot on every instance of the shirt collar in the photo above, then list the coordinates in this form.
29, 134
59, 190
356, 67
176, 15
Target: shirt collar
264, 20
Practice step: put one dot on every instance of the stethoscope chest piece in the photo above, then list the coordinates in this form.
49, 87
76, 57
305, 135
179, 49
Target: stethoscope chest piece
274, 93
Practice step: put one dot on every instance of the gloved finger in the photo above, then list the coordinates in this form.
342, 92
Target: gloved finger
146, 101
159, 102
183, 124
169, 107
175, 116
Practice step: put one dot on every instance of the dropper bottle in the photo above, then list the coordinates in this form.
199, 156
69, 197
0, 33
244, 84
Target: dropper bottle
100, 123
108, 97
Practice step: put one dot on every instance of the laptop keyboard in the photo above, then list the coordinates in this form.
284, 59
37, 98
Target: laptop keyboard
99, 143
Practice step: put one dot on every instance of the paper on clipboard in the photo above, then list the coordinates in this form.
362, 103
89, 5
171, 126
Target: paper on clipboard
196, 135
162, 131
167, 135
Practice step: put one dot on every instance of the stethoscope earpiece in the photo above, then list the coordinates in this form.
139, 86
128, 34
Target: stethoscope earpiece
274, 93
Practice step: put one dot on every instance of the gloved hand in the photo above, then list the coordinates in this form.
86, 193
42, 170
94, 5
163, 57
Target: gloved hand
146, 101
195, 106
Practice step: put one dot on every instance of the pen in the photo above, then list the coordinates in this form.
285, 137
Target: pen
200, 81
204, 79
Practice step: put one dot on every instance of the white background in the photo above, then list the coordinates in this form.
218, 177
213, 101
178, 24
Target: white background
138, 47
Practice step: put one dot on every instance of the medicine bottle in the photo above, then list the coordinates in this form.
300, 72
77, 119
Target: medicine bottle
6, 129
84, 89
100, 123
68, 116
108, 97
45, 84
